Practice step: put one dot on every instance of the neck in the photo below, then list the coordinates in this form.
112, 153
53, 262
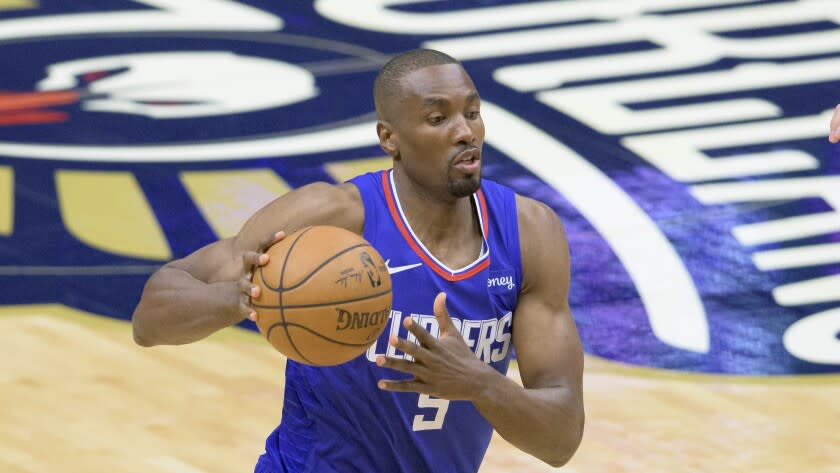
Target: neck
435, 220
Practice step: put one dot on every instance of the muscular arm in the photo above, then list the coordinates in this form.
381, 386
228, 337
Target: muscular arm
190, 298
545, 418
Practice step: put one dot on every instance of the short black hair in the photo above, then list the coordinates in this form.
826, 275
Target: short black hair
386, 87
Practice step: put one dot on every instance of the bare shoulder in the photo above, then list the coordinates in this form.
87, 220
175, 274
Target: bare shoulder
534, 215
319, 203
341, 204
542, 241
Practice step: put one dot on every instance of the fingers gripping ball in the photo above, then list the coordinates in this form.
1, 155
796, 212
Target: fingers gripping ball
325, 295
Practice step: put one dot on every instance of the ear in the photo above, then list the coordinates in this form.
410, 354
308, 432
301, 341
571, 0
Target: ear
388, 140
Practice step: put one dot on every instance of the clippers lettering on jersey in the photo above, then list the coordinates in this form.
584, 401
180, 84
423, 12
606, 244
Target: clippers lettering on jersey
488, 338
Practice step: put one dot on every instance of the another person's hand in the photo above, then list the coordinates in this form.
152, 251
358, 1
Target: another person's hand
834, 128
250, 261
443, 367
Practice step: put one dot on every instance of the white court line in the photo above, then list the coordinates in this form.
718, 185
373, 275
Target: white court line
675, 311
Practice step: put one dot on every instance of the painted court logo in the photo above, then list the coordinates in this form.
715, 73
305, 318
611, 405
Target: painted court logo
681, 143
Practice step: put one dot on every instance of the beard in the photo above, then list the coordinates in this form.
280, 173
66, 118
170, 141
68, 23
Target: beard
463, 186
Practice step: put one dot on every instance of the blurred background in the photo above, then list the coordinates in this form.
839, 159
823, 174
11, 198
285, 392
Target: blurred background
682, 143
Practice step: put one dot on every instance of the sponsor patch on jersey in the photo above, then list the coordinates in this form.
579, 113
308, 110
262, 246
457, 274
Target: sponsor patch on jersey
500, 281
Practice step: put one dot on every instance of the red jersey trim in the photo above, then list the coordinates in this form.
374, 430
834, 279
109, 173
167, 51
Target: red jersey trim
431, 263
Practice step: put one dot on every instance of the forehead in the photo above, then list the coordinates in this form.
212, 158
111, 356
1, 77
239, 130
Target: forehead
447, 80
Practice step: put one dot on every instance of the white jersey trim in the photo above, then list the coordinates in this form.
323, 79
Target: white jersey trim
485, 247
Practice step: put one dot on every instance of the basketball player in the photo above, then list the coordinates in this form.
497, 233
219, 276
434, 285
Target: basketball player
476, 271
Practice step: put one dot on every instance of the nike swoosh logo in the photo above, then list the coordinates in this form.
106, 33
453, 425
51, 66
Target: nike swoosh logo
398, 269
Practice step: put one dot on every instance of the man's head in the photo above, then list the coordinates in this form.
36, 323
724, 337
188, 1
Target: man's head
387, 86
429, 122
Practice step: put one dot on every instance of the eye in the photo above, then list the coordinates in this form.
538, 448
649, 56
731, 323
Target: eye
472, 115
436, 119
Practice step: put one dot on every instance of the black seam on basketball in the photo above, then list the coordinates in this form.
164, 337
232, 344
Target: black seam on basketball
322, 304
280, 324
280, 296
260, 268
318, 268
265, 283
337, 342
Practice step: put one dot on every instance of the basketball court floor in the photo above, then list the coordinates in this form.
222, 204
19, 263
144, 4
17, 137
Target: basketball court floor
682, 143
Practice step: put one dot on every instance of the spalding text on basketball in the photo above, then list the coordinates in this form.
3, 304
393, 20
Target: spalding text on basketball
348, 320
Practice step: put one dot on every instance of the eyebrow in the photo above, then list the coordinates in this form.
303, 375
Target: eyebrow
435, 101
441, 101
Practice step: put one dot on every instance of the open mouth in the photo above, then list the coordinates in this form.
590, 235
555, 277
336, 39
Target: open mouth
468, 161
469, 165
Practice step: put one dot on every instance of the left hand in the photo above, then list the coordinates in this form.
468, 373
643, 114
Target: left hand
444, 367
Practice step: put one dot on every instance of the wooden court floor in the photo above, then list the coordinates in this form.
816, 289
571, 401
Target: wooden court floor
78, 396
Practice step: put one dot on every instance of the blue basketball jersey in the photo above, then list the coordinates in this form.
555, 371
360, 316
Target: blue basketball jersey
335, 419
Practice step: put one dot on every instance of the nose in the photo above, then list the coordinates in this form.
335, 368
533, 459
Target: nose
462, 132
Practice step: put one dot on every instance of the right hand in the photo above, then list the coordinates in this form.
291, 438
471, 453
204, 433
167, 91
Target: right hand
834, 128
250, 260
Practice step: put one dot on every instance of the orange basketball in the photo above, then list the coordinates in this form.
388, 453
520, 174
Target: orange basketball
325, 295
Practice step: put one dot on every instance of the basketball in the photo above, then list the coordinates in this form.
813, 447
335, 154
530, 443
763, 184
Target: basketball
325, 295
